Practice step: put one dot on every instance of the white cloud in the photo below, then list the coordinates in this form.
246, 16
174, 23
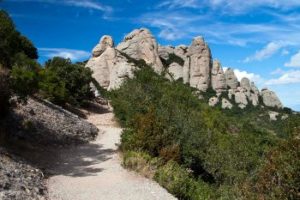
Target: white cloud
231, 7
288, 77
269, 50
294, 62
277, 71
89, 4
180, 4
74, 55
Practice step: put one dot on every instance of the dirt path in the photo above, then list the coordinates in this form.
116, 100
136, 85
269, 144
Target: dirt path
93, 171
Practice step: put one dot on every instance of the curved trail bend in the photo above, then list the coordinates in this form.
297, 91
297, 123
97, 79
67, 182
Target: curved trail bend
93, 171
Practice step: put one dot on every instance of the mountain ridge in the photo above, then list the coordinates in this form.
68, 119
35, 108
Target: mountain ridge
193, 64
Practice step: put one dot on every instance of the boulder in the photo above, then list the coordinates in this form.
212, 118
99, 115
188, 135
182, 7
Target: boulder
198, 64
218, 81
213, 101
273, 115
231, 80
226, 104
140, 44
270, 99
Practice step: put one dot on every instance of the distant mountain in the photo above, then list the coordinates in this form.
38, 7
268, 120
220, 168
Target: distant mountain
192, 64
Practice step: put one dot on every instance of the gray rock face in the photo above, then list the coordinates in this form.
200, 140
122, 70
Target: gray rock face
213, 101
19, 180
181, 51
105, 42
231, 79
109, 67
140, 44
165, 51
42, 122
198, 65
270, 98
241, 98
273, 115
218, 81
226, 104
120, 71
176, 70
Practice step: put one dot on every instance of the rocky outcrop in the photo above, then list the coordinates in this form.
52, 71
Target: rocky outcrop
140, 44
213, 101
226, 104
241, 98
192, 63
218, 81
104, 43
175, 70
231, 80
270, 99
42, 122
198, 65
110, 68
19, 180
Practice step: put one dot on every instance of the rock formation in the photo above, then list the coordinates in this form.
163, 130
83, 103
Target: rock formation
198, 65
218, 81
231, 80
111, 67
270, 98
140, 44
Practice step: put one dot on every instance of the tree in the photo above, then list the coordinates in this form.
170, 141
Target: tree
64, 82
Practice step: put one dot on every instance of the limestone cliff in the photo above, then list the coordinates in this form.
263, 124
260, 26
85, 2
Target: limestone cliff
194, 64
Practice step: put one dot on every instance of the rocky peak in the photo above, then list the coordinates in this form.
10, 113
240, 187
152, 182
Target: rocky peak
111, 67
198, 64
105, 42
270, 98
231, 79
141, 44
218, 81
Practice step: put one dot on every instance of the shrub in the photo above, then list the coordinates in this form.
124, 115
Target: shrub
64, 82
24, 76
279, 176
180, 182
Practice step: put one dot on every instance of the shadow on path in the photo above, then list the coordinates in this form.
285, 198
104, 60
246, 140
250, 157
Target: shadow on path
76, 161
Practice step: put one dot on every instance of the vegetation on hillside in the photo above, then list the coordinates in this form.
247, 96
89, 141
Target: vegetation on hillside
203, 153
59, 80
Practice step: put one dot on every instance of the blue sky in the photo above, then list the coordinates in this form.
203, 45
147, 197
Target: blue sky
258, 38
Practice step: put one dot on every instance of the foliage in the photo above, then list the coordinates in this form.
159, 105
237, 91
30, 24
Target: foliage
12, 42
64, 82
279, 176
166, 120
181, 183
25, 76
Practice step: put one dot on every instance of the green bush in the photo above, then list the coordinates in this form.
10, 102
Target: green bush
180, 182
221, 149
25, 76
64, 82
12, 42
